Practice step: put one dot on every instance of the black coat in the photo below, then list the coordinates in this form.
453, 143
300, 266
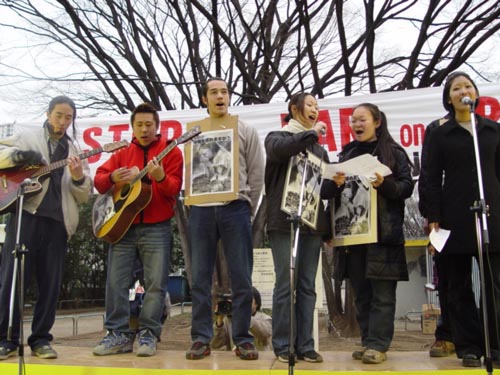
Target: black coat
424, 165
385, 259
451, 196
280, 147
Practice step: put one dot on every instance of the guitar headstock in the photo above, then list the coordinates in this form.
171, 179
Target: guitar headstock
190, 134
110, 147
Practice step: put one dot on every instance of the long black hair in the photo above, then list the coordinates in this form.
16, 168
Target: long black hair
62, 99
447, 86
385, 143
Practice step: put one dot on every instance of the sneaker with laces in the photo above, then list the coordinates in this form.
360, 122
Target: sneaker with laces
372, 356
198, 350
44, 352
114, 343
310, 356
147, 343
7, 351
358, 354
442, 348
247, 351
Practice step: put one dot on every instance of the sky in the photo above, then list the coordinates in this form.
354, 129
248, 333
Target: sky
17, 104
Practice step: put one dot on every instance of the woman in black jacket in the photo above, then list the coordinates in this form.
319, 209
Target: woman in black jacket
374, 269
452, 189
300, 135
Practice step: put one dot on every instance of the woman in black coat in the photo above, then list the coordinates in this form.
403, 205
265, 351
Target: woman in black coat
452, 190
374, 269
300, 135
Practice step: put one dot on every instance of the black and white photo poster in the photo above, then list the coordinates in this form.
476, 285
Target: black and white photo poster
211, 162
354, 213
312, 185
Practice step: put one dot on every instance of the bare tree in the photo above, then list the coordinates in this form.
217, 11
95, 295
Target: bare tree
121, 52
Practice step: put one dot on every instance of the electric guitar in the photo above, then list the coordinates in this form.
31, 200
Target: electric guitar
114, 211
12, 179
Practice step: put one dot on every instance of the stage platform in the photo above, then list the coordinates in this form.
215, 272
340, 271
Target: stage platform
80, 361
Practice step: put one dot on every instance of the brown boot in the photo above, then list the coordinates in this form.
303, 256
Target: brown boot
372, 356
442, 348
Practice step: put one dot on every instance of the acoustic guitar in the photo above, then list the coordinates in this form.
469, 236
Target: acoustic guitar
12, 179
114, 211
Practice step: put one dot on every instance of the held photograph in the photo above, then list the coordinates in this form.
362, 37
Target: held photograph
211, 162
311, 197
354, 213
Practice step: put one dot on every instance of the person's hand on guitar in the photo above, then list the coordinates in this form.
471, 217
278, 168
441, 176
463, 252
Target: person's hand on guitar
28, 157
123, 175
75, 168
155, 170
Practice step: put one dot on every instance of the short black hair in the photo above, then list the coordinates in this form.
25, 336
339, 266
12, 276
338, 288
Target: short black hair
145, 108
257, 298
204, 88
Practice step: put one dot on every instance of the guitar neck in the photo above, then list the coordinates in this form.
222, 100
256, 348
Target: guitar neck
61, 163
159, 157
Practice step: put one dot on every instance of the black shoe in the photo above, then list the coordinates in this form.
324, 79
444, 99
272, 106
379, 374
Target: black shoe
7, 351
471, 360
310, 356
284, 356
44, 351
495, 360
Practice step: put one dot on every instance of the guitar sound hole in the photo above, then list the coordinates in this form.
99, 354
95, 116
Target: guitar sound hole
124, 191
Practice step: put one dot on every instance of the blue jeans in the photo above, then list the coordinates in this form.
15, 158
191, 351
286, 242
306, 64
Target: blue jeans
46, 241
230, 223
152, 243
306, 265
375, 302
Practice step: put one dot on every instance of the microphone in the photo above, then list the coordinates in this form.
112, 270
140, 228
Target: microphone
27, 182
466, 100
323, 131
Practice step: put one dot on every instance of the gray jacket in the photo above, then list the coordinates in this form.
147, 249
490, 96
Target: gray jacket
72, 194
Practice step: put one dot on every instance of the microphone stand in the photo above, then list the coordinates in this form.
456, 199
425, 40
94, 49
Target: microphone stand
483, 240
19, 258
294, 243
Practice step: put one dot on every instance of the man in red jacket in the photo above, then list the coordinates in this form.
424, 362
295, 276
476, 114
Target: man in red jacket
149, 236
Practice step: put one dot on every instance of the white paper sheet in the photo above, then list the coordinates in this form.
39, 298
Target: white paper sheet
364, 165
438, 239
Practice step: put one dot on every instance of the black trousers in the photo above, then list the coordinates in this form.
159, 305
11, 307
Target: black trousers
443, 330
464, 317
46, 242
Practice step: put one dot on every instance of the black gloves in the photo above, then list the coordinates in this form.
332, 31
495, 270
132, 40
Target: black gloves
27, 157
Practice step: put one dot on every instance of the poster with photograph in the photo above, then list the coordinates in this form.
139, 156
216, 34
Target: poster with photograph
311, 197
212, 162
354, 213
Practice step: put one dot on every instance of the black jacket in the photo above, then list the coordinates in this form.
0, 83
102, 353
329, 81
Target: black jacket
280, 147
424, 166
453, 184
385, 259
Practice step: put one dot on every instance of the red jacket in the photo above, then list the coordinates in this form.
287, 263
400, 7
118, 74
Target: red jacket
161, 206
